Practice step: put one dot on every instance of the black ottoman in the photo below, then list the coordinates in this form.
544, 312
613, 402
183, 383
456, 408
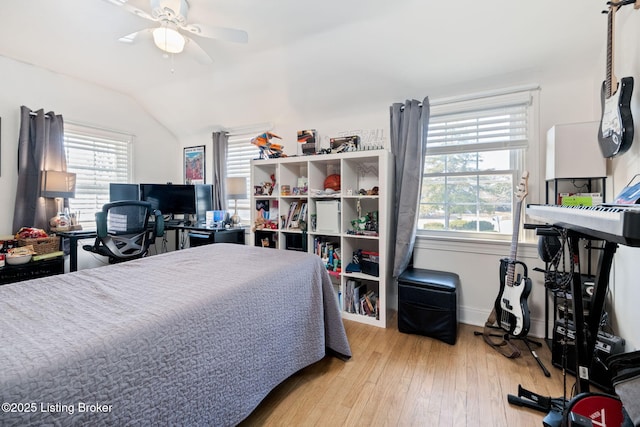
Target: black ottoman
427, 303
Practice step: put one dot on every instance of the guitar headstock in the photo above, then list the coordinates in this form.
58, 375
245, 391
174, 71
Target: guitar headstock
523, 186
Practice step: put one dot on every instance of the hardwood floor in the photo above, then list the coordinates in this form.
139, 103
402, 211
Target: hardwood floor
401, 380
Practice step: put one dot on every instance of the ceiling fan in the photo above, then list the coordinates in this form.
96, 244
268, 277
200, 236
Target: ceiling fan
170, 36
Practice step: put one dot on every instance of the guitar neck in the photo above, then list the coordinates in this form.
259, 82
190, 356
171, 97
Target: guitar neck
511, 268
611, 83
516, 231
520, 195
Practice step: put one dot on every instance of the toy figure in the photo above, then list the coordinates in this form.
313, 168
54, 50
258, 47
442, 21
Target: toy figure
268, 149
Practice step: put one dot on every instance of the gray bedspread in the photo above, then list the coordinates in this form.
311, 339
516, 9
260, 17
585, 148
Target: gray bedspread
193, 337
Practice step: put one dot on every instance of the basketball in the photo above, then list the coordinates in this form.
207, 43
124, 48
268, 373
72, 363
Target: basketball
332, 182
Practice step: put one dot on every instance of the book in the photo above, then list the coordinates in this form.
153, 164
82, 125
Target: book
262, 209
348, 303
47, 256
292, 208
297, 215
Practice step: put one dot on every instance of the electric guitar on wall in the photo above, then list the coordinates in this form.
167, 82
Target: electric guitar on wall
615, 134
512, 311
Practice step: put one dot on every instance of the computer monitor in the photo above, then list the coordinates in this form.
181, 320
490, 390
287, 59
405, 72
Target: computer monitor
119, 191
175, 199
204, 201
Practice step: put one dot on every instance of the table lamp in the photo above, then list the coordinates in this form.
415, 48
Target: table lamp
58, 185
236, 189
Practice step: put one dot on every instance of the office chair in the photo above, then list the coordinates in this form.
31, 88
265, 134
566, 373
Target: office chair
124, 231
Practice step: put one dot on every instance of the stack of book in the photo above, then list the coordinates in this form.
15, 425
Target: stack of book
359, 300
297, 214
329, 252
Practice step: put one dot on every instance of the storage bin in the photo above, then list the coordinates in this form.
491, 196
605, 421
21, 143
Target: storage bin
427, 303
370, 263
328, 216
42, 245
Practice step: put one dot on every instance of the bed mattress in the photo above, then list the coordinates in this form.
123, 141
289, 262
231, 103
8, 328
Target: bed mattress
198, 337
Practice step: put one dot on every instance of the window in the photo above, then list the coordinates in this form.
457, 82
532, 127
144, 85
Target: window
239, 155
97, 157
475, 155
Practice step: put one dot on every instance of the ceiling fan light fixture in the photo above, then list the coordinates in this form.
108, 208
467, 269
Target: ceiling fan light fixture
168, 40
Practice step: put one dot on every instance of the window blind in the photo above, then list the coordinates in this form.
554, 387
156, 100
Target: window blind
480, 130
97, 157
239, 155
475, 151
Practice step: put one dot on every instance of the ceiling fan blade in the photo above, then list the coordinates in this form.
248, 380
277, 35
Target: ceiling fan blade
136, 11
193, 49
226, 34
134, 37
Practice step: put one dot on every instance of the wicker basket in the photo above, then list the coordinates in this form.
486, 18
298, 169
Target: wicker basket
42, 245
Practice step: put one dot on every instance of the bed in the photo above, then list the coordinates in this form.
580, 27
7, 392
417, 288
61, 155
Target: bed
192, 337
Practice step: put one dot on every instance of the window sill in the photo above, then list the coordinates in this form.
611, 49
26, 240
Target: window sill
475, 245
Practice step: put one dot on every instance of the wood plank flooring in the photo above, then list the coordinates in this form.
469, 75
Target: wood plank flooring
396, 379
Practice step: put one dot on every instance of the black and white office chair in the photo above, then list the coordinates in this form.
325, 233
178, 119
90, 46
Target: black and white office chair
124, 231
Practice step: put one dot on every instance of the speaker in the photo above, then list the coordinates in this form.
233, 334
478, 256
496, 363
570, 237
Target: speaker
204, 200
606, 345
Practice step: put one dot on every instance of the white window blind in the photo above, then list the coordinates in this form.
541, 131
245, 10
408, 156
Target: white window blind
239, 155
500, 122
475, 154
97, 157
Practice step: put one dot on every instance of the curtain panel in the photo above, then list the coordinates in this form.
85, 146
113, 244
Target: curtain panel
409, 128
40, 147
220, 149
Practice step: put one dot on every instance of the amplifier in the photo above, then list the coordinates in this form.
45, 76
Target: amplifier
606, 345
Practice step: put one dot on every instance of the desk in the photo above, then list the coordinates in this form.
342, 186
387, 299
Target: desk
200, 235
232, 235
226, 235
73, 237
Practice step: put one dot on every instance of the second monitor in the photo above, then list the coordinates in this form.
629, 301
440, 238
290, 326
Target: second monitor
170, 199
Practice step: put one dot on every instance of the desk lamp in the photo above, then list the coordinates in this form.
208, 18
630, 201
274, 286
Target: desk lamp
58, 185
236, 189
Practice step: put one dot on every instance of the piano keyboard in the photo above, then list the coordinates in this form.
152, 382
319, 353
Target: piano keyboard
618, 224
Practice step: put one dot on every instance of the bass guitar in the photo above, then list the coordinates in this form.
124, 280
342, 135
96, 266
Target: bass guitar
512, 311
615, 134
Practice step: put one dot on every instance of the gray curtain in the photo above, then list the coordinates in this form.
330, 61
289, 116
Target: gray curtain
220, 148
40, 147
409, 126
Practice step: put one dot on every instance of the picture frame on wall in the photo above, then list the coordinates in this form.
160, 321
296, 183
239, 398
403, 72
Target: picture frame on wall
194, 164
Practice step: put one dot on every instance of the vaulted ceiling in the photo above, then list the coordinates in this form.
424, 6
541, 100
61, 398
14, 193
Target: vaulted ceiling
309, 56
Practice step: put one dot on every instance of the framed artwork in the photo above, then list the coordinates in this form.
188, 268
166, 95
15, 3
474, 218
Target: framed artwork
194, 165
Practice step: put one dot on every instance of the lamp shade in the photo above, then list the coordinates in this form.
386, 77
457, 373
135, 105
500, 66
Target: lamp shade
58, 184
168, 39
237, 187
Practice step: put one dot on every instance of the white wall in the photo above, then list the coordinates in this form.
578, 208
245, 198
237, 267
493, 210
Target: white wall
565, 97
154, 150
625, 285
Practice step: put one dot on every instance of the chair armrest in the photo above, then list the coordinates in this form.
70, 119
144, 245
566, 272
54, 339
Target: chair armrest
101, 224
158, 227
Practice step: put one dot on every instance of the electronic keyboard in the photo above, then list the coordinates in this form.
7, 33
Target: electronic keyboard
619, 223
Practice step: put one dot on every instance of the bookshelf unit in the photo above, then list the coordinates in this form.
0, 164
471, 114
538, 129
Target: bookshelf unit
300, 215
